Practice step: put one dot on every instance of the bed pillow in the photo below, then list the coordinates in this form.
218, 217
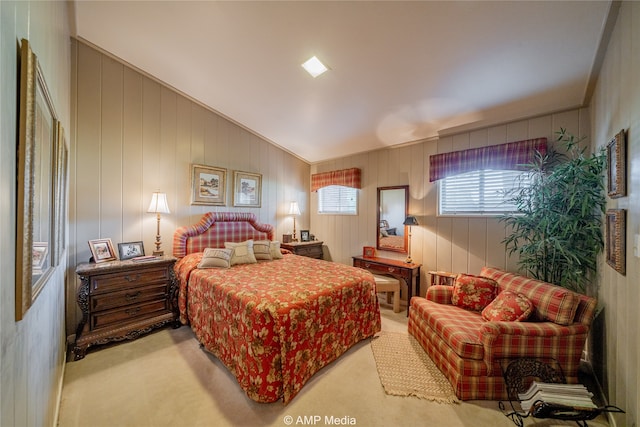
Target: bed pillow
216, 258
508, 306
242, 252
275, 250
262, 249
473, 292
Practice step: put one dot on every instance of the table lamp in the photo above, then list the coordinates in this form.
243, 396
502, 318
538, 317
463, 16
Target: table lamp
158, 205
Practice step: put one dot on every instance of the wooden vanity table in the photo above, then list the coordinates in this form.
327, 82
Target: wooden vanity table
410, 273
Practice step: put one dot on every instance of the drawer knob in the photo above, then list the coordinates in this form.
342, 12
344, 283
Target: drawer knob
367, 265
132, 297
132, 311
391, 269
132, 278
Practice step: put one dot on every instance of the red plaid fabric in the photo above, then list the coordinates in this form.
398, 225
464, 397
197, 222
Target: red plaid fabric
504, 156
215, 228
344, 177
450, 338
550, 302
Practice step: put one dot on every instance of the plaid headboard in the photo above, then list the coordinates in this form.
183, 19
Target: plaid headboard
215, 228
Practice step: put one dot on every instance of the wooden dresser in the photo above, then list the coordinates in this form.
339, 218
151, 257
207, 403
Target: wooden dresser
121, 300
311, 249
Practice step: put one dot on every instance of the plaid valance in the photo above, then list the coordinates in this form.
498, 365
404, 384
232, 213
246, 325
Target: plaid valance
509, 156
344, 177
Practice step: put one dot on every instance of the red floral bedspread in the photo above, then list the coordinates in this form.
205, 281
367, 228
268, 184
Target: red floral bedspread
276, 323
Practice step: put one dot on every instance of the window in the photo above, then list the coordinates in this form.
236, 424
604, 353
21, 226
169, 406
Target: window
339, 200
478, 193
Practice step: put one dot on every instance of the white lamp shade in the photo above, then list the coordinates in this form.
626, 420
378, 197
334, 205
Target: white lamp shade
159, 203
294, 209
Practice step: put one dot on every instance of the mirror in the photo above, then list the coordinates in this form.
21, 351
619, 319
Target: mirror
393, 206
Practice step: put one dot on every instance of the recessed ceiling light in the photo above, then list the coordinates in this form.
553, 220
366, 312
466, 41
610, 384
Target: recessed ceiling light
314, 67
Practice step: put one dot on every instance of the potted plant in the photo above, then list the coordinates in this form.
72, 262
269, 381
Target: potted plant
557, 227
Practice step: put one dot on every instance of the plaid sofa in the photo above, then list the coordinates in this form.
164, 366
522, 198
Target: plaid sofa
470, 350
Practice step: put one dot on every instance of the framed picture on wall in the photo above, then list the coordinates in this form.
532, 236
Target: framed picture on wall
208, 185
616, 239
247, 189
36, 194
617, 166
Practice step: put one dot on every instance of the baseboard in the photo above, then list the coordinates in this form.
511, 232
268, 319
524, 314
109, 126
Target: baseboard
56, 415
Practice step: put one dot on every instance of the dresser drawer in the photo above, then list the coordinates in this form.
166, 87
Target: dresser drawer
115, 281
129, 313
130, 296
311, 251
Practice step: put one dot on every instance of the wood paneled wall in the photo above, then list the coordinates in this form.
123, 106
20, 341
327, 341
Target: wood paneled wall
32, 351
132, 136
616, 106
454, 244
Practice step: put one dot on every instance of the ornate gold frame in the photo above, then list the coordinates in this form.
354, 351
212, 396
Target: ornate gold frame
617, 166
36, 194
616, 220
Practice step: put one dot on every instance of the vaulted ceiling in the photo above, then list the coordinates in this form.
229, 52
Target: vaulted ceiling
399, 71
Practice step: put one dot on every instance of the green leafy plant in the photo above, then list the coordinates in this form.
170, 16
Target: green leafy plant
557, 227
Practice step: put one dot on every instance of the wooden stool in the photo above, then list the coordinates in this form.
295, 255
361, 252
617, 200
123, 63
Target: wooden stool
389, 285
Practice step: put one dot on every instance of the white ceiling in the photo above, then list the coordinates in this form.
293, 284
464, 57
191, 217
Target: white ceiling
400, 71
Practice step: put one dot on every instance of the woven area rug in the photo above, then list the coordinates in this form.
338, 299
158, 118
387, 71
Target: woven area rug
405, 369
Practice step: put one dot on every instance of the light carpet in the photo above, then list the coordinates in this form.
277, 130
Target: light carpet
406, 370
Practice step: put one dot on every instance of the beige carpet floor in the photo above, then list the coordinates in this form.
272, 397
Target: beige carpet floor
165, 379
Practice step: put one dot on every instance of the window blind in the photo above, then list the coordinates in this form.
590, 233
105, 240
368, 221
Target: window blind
479, 193
337, 199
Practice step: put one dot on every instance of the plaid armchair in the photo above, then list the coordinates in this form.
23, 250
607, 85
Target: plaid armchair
469, 350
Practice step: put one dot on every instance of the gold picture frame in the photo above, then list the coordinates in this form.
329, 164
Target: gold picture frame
60, 185
36, 194
208, 185
617, 166
616, 220
247, 189
102, 250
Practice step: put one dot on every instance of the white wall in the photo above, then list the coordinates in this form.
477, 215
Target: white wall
438, 243
32, 350
616, 106
132, 135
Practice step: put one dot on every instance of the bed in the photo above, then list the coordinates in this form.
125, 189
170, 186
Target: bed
272, 323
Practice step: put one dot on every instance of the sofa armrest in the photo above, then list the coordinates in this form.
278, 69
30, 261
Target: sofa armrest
509, 340
440, 293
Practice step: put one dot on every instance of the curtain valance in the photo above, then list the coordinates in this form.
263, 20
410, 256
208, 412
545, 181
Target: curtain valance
509, 156
344, 177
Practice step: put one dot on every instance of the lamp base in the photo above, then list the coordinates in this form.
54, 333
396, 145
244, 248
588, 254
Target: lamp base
409, 260
158, 253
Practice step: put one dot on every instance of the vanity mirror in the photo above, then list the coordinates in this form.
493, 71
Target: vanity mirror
393, 206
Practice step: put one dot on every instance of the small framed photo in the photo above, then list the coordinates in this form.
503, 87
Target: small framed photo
305, 236
102, 250
40, 253
617, 166
130, 250
616, 239
247, 189
368, 251
208, 185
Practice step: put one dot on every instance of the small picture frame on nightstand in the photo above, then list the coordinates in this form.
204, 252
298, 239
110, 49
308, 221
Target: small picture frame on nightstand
304, 236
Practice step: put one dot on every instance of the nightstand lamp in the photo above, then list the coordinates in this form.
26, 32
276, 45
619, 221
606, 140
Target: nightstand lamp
410, 220
294, 210
158, 205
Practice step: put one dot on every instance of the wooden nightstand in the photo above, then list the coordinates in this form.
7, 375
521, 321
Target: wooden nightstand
122, 300
311, 249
